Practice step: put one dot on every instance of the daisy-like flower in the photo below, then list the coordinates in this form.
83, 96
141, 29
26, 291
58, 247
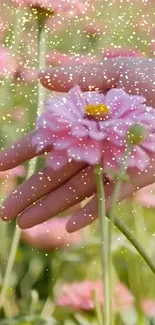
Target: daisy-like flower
8, 63
80, 296
92, 127
146, 196
51, 235
148, 307
76, 6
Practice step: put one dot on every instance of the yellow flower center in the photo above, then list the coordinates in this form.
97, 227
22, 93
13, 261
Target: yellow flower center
97, 110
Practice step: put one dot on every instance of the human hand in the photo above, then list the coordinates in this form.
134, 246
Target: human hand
55, 191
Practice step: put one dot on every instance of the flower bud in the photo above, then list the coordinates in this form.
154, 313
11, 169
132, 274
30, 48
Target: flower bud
136, 134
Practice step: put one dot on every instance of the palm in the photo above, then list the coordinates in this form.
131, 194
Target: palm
53, 192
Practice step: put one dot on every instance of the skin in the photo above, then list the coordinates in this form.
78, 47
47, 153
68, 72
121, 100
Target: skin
55, 191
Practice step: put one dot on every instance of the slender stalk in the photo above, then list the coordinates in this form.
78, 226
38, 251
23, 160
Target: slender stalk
104, 242
129, 235
32, 165
115, 199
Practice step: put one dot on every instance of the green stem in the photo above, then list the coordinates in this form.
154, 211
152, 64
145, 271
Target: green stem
31, 170
42, 63
104, 242
129, 235
115, 199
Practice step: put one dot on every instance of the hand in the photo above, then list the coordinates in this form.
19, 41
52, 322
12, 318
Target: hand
55, 191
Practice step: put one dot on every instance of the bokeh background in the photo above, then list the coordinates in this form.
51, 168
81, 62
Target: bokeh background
56, 276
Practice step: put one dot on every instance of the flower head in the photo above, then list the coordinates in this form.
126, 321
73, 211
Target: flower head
51, 235
148, 307
146, 196
92, 127
8, 64
80, 295
76, 6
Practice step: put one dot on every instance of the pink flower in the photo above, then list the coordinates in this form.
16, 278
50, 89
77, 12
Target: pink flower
80, 295
8, 64
56, 23
58, 58
72, 6
51, 235
120, 52
146, 196
27, 75
18, 171
9, 179
144, 24
123, 297
92, 127
148, 307
3, 28
94, 28
18, 114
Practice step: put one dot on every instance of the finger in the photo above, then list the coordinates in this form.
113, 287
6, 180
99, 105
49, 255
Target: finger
101, 75
19, 152
36, 187
79, 187
85, 216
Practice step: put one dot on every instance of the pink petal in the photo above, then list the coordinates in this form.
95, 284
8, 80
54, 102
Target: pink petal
97, 135
112, 155
87, 150
57, 159
139, 158
62, 106
79, 130
114, 99
64, 142
47, 120
43, 139
149, 143
76, 98
94, 98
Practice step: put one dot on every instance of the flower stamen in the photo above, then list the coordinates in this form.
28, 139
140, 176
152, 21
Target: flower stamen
97, 110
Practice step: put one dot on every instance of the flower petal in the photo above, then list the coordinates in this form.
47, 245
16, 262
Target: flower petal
138, 158
43, 139
57, 159
88, 151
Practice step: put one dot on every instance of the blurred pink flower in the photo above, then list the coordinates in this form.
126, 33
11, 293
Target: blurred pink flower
146, 196
123, 297
120, 52
9, 179
148, 307
71, 6
92, 127
18, 171
58, 58
144, 24
51, 235
94, 28
3, 28
56, 23
80, 295
18, 114
27, 75
8, 63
